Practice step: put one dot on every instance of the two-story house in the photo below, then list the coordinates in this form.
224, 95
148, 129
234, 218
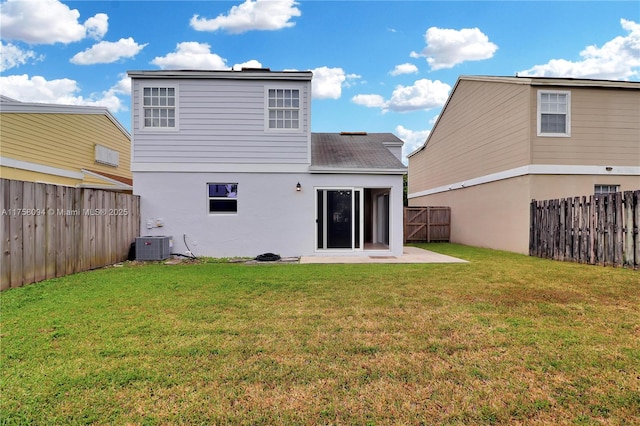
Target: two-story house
225, 162
502, 141
80, 146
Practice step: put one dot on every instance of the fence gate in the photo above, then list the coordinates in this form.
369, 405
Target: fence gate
427, 224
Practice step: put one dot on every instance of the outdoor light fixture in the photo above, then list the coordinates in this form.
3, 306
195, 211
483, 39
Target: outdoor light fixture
609, 168
298, 187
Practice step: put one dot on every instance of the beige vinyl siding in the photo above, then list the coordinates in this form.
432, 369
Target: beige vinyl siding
605, 129
495, 215
484, 129
221, 121
64, 141
548, 187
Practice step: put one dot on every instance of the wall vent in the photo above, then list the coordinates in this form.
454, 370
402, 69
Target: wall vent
353, 133
107, 156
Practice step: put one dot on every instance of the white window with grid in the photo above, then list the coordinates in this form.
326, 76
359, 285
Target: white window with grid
606, 189
554, 113
283, 109
159, 107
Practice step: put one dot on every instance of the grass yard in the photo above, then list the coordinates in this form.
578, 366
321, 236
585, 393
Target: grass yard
505, 339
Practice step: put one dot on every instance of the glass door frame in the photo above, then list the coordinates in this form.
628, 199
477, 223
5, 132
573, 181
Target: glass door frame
356, 234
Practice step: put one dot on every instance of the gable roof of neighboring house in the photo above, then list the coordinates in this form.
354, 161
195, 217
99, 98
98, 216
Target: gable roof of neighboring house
358, 152
11, 105
531, 81
90, 178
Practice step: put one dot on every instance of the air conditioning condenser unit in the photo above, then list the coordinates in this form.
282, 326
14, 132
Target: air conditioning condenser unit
153, 247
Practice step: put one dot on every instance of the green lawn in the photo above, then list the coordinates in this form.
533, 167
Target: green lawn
505, 339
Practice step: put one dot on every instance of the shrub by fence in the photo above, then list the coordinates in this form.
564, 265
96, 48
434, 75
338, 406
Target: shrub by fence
600, 229
50, 230
427, 224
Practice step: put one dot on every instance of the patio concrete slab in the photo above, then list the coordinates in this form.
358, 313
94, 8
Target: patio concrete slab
409, 255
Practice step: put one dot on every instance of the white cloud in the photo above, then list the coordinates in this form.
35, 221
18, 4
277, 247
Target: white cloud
404, 69
251, 15
447, 48
97, 26
191, 55
249, 64
327, 82
413, 139
423, 95
123, 86
108, 99
38, 89
351, 80
47, 22
61, 91
616, 59
12, 56
107, 52
371, 101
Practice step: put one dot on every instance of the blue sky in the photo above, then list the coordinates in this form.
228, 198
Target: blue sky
379, 66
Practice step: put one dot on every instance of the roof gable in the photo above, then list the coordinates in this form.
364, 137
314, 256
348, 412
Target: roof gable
8, 105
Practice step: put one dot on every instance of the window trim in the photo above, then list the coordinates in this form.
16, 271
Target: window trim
299, 88
142, 127
567, 132
209, 198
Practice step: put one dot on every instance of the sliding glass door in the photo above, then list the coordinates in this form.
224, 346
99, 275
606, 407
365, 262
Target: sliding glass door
338, 218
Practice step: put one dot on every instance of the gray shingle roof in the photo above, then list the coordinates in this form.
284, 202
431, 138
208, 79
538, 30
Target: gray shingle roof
354, 152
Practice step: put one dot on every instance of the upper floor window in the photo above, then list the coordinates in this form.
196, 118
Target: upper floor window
554, 113
283, 108
159, 107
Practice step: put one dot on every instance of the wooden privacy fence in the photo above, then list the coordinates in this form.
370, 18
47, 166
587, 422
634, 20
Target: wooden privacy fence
49, 230
600, 229
427, 224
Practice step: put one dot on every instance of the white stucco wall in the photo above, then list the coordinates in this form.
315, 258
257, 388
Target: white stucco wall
272, 216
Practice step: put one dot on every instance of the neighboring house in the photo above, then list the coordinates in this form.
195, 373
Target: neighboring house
502, 141
226, 164
78, 146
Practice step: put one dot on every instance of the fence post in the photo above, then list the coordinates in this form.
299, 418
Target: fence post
5, 205
636, 229
617, 229
16, 234
575, 227
51, 231
28, 234
532, 226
